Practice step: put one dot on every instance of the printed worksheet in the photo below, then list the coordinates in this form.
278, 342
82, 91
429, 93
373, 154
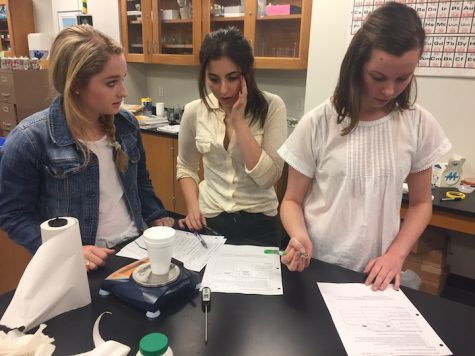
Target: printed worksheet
379, 322
244, 269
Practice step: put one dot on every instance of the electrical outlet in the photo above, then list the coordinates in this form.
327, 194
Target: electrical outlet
299, 104
160, 91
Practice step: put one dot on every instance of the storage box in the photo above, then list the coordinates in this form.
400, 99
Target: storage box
233, 11
433, 238
434, 258
272, 10
170, 14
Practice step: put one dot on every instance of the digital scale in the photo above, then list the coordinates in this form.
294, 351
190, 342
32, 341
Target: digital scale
136, 285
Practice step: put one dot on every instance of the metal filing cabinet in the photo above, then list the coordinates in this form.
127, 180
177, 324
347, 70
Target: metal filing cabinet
22, 93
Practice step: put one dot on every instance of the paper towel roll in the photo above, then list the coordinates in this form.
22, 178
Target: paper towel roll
39, 44
52, 227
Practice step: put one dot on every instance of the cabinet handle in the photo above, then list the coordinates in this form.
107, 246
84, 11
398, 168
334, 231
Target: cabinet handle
250, 13
6, 95
3, 78
5, 109
149, 47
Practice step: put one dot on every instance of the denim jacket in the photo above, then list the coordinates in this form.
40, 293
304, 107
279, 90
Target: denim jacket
41, 177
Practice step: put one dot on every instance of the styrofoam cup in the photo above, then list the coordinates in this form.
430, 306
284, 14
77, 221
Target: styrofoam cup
160, 241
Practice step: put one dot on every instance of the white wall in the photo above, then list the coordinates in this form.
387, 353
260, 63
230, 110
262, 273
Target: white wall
449, 99
105, 14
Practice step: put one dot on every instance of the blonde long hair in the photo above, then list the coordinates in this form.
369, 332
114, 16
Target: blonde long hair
77, 54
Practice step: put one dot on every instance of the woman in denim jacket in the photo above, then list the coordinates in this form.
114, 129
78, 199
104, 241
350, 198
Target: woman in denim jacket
81, 157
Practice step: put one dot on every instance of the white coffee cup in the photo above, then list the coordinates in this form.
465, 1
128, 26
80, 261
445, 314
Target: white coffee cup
160, 109
160, 241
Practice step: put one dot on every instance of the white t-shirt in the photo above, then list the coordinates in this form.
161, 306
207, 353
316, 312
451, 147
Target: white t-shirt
115, 224
352, 208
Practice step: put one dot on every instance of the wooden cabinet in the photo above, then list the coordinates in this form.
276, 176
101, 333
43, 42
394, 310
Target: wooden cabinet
16, 22
22, 93
159, 31
13, 261
278, 41
161, 152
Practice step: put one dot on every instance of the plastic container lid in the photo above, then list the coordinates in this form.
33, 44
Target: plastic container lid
159, 235
153, 344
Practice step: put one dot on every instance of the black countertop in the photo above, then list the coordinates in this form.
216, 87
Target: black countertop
296, 323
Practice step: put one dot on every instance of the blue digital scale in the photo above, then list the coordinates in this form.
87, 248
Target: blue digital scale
136, 285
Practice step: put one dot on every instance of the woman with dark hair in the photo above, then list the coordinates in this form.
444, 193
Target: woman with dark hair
236, 129
348, 157
81, 157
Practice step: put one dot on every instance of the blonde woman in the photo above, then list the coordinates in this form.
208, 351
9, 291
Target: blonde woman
81, 157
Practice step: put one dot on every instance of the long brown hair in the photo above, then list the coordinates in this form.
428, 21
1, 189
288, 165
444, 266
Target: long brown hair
393, 28
77, 54
230, 42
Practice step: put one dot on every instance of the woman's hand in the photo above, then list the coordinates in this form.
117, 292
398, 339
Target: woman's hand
297, 254
166, 221
194, 221
382, 270
238, 115
95, 257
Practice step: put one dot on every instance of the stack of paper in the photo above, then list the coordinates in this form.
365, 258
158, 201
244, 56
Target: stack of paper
152, 121
169, 128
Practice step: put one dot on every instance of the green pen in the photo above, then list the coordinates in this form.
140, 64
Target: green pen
281, 253
275, 252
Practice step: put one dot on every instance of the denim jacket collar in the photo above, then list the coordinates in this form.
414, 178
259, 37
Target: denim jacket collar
59, 130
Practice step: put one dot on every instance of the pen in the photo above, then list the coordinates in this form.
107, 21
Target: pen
199, 237
275, 252
281, 253
450, 199
211, 231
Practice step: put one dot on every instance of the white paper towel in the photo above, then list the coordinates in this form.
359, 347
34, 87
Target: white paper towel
54, 282
39, 44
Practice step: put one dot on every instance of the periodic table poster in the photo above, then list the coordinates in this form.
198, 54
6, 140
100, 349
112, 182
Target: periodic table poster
450, 34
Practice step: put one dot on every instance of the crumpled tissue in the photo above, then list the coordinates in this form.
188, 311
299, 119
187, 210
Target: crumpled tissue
16, 343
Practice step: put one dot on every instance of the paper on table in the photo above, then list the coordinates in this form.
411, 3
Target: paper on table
187, 249
169, 128
54, 282
244, 269
379, 323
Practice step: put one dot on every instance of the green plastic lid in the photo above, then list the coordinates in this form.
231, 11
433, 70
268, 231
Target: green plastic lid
153, 344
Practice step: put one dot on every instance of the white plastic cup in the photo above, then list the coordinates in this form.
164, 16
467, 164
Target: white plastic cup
160, 109
160, 241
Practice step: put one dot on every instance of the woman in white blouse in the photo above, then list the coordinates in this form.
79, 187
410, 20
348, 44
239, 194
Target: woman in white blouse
348, 157
236, 130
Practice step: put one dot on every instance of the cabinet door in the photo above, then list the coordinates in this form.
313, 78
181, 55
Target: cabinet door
135, 29
160, 160
281, 34
176, 31
278, 32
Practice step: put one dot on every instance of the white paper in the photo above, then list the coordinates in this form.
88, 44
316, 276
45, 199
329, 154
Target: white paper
188, 249
244, 269
105, 348
54, 282
169, 128
379, 322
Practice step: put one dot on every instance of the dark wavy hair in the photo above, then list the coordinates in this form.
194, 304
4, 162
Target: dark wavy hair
393, 28
229, 42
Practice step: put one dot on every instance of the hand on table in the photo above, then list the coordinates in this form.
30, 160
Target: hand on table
298, 254
194, 221
166, 221
96, 257
381, 271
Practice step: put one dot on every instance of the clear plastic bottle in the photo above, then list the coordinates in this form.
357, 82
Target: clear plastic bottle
154, 344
